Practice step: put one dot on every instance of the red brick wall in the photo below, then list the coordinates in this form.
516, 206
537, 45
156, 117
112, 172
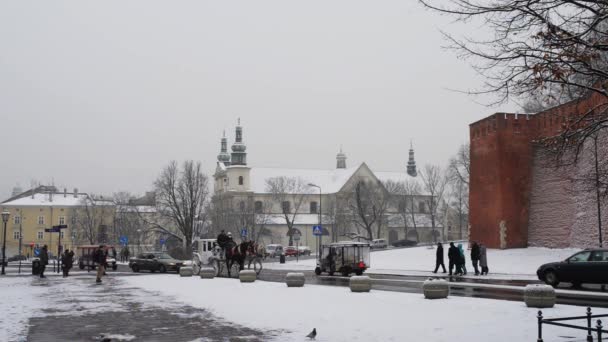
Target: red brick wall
517, 197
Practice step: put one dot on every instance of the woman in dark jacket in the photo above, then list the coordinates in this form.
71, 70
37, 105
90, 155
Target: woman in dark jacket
439, 258
67, 261
44, 260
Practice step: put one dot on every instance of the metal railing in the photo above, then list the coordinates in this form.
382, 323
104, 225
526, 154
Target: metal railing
598, 329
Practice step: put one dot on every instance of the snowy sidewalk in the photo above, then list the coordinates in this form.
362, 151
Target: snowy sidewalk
76, 309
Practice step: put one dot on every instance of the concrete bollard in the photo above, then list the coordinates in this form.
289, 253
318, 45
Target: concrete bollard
295, 279
207, 273
435, 288
539, 296
360, 284
247, 276
186, 272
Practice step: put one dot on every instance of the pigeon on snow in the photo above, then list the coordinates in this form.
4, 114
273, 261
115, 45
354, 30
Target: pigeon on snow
312, 334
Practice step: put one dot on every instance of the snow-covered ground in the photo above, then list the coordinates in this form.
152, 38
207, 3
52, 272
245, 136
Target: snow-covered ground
339, 315
519, 263
20, 300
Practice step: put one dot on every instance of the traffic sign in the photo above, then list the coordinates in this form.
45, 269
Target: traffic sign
244, 232
124, 240
163, 241
296, 237
60, 226
317, 230
51, 230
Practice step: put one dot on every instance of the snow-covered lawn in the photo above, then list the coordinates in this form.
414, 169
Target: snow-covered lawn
520, 263
340, 315
20, 301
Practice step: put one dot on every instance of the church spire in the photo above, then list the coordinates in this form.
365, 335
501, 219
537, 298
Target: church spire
239, 156
341, 159
411, 163
224, 157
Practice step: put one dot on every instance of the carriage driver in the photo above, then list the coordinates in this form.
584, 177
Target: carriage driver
222, 239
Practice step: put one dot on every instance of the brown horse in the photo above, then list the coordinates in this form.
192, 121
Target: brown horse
238, 253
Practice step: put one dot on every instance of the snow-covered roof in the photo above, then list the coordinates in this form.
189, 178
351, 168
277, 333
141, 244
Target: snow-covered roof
142, 209
300, 219
330, 181
58, 200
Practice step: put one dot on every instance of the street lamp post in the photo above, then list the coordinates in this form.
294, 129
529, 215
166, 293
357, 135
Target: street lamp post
320, 223
5, 215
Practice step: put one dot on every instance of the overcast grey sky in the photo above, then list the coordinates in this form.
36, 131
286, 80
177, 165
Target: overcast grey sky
101, 95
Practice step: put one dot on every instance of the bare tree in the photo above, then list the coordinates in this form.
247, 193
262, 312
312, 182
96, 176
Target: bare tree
460, 165
405, 195
181, 199
368, 205
458, 179
284, 192
434, 183
541, 47
338, 215
90, 219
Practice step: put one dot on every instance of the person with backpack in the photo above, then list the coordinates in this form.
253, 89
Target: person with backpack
462, 262
44, 260
99, 257
483, 260
453, 257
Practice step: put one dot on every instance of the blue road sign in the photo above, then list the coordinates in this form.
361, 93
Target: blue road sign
124, 240
244, 232
51, 230
317, 230
163, 241
36, 252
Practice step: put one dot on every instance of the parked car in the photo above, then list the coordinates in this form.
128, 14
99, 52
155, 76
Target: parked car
17, 258
291, 251
379, 243
155, 261
274, 250
304, 250
404, 243
589, 266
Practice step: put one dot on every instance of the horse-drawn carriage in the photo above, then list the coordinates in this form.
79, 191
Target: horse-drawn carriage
228, 261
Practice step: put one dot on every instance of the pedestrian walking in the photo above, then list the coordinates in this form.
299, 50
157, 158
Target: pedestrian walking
44, 260
100, 259
439, 258
463, 260
127, 254
67, 261
114, 253
483, 259
475, 256
453, 257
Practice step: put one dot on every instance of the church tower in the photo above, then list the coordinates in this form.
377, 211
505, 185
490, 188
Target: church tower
224, 157
239, 156
341, 160
411, 163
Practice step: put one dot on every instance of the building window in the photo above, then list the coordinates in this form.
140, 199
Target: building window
286, 206
61, 219
242, 206
40, 219
61, 235
16, 235
73, 219
313, 208
17, 219
401, 206
40, 235
240, 180
421, 207
259, 207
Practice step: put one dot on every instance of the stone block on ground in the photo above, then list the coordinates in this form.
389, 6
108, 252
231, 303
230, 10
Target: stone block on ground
360, 284
295, 279
186, 272
539, 296
247, 276
436, 289
207, 273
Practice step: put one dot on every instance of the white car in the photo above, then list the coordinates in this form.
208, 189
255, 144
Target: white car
274, 250
379, 243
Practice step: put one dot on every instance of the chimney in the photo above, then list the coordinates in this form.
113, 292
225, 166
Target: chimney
65, 192
75, 192
50, 196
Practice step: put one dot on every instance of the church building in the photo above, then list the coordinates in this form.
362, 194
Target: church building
272, 204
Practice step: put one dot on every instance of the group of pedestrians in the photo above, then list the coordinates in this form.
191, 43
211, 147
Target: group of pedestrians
457, 259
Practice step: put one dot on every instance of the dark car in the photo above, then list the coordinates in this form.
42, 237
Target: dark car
589, 266
17, 258
404, 243
155, 261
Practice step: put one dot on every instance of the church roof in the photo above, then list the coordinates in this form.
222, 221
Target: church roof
330, 181
385, 176
58, 200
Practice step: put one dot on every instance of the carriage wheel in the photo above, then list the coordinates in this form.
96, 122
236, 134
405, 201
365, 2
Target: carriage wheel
257, 265
196, 268
218, 268
234, 270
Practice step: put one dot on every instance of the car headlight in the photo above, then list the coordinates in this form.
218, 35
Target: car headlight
171, 264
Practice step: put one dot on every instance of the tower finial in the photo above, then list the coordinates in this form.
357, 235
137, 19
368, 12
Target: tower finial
341, 159
411, 163
239, 121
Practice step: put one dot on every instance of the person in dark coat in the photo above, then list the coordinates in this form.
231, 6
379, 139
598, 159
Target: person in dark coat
44, 260
439, 258
99, 257
453, 257
222, 239
462, 260
67, 261
475, 253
